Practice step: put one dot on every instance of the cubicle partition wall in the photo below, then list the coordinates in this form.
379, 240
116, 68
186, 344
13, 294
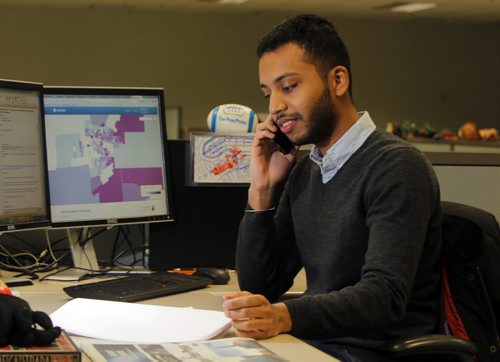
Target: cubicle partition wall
206, 220
469, 178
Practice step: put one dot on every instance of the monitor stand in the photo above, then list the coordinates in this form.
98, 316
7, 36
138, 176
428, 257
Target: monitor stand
83, 255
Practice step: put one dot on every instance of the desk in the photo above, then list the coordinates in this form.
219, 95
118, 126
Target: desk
47, 296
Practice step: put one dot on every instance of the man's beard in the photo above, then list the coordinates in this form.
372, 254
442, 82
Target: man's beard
322, 121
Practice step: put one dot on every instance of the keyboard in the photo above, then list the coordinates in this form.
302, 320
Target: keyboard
136, 287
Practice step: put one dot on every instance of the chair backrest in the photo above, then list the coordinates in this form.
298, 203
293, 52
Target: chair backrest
471, 253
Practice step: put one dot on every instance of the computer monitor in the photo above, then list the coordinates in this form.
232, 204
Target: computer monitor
23, 187
106, 159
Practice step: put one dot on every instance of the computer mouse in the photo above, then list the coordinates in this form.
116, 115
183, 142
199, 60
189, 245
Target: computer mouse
218, 275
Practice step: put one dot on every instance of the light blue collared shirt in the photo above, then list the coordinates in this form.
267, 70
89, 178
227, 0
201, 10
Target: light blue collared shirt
344, 148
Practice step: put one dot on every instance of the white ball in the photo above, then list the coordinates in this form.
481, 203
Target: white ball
232, 118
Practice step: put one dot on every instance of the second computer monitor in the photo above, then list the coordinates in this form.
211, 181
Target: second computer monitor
106, 156
23, 191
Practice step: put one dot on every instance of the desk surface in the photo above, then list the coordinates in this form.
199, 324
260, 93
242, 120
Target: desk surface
47, 296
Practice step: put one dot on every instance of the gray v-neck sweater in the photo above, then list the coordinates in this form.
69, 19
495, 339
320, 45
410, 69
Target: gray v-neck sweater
369, 241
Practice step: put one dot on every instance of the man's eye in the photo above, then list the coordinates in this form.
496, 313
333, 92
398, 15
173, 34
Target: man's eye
289, 88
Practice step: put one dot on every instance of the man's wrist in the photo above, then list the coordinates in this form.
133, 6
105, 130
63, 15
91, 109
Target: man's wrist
284, 321
260, 200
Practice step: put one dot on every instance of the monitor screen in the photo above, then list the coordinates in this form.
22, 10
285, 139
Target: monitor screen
23, 190
106, 156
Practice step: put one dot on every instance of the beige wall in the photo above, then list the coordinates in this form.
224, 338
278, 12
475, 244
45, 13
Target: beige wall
423, 72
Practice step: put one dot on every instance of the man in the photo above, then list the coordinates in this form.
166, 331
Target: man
361, 215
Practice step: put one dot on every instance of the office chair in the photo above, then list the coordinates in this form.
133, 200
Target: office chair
471, 291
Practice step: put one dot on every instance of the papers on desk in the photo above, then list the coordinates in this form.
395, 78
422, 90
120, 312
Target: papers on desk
220, 350
138, 323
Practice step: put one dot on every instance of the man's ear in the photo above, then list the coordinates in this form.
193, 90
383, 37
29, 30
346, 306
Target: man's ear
338, 79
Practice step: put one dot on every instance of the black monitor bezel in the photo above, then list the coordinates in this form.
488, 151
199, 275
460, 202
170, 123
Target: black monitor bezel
139, 91
37, 87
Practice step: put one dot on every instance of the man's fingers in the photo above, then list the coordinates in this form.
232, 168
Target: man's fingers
265, 130
235, 295
245, 301
249, 313
252, 324
253, 328
268, 123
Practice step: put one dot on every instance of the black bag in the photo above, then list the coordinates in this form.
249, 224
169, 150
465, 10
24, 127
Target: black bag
18, 324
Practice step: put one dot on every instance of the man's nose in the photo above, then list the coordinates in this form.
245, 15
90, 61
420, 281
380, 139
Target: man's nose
276, 104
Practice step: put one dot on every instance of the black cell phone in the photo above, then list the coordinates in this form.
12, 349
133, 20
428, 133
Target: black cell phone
286, 146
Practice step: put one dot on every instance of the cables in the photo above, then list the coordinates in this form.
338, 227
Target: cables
24, 261
26, 256
123, 247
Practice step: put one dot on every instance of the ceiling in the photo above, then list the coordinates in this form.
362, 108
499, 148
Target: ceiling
446, 10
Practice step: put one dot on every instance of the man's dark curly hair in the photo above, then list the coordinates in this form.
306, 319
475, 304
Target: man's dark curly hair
317, 36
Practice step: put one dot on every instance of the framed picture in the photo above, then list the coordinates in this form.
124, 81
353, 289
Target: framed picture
220, 159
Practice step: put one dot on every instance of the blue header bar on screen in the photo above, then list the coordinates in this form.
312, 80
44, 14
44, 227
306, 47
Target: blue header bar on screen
100, 110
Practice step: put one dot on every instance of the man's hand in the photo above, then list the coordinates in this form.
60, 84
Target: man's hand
268, 166
252, 315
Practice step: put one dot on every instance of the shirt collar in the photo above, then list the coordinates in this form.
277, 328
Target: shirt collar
344, 148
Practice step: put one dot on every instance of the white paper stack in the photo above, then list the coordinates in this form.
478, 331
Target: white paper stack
138, 323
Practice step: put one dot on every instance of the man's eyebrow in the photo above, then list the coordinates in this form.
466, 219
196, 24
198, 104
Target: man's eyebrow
280, 78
